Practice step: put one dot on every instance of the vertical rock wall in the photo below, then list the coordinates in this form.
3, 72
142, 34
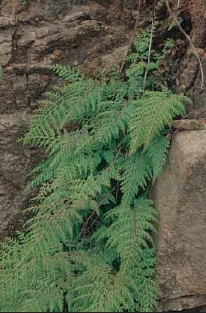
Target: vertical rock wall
180, 196
189, 72
180, 192
32, 35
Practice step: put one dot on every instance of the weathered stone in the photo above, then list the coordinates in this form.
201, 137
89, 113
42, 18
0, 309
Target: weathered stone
180, 197
15, 163
7, 21
29, 83
194, 14
190, 79
77, 35
107, 61
83, 15
33, 34
188, 124
43, 31
6, 38
6, 52
27, 38
187, 304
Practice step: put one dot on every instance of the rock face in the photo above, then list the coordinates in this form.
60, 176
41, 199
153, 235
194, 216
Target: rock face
194, 14
181, 199
37, 33
14, 163
33, 35
94, 35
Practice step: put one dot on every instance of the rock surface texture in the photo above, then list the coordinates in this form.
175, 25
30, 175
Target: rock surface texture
94, 35
32, 35
15, 161
194, 14
180, 196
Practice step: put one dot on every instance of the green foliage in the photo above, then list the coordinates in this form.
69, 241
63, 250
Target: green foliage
156, 110
90, 243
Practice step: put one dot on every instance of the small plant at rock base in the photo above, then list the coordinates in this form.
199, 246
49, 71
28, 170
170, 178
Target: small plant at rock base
90, 244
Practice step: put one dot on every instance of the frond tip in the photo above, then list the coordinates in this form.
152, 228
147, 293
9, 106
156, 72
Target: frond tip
154, 111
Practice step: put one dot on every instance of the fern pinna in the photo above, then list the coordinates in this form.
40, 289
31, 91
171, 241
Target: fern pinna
90, 243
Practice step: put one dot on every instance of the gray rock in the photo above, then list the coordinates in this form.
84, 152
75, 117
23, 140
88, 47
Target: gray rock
27, 39
34, 34
6, 52
83, 15
180, 197
15, 163
77, 35
43, 31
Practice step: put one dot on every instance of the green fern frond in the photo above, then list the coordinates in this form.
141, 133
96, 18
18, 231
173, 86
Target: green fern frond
68, 73
131, 234
156, 110
157, 152
132, 227
137, 172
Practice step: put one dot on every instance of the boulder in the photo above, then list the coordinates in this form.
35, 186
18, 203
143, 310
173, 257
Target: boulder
180, 197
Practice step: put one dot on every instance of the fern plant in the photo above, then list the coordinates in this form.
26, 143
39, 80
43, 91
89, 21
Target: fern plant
90, 243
